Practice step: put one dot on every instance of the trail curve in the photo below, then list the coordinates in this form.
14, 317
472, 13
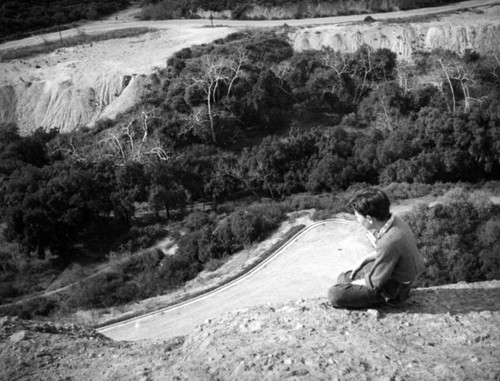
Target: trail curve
106, 25
303, 268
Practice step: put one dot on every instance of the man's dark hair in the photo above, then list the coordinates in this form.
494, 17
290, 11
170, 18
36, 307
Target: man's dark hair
371, 202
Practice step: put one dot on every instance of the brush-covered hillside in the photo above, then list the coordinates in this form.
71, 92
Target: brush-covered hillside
228, 138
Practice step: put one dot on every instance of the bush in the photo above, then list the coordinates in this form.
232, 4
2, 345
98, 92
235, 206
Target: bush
39, 307
176, 270
272, 214
402, 191
197, 220
143, 237
104, 290
138, 263
246, 226
213, 264
456, 239
330, 205
7, 291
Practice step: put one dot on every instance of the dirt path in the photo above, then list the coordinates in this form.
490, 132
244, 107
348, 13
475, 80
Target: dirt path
304, 268
124, 22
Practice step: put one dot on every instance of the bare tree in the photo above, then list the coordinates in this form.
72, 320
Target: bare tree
133, 143
336, 61
462, 74
407, 75
445, 70
216, 72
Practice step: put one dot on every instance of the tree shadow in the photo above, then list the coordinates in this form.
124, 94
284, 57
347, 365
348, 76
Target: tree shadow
454, 299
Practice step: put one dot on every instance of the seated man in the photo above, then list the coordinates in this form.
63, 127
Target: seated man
384, 276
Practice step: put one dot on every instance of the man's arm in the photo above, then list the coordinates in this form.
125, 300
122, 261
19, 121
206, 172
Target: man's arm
382, 268
369, 258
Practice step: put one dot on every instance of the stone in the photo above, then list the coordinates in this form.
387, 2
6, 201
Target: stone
373, 313
18, 336
300, 372
4, 320
255, 326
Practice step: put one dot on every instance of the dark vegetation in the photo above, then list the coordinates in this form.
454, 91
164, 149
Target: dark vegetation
175, 9
459, 239
19, 18
255, 130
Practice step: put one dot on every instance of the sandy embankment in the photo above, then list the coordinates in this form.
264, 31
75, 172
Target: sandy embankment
75, 86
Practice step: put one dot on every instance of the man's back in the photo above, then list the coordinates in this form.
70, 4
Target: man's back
398, 254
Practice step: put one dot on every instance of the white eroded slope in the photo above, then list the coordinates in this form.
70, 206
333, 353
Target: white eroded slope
304, 268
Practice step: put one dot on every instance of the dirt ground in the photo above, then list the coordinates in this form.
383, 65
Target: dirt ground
444, 333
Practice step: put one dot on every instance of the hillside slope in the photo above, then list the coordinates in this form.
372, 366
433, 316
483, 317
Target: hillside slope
449, 332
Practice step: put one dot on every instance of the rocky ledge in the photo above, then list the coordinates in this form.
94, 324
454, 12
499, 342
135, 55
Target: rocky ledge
449, 332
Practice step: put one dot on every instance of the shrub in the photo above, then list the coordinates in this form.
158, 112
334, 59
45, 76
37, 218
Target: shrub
176, 270
271, 214
143, 237
101, 291
301, 201
213, 264
331, 205
7, 290
401, 191
39, 307
197, 220
245, 227
456, 240
138, 263
188, 246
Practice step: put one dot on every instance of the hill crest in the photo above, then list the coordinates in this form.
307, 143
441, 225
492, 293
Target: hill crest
447, 332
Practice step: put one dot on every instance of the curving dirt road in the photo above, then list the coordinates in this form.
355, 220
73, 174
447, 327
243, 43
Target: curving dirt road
303, 268
108, 25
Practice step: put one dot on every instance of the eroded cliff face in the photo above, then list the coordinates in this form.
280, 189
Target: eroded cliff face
75, 87
64, 97
69, 100
403, 39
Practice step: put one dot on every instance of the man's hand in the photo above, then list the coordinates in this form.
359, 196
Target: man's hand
355, 270
369, 258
